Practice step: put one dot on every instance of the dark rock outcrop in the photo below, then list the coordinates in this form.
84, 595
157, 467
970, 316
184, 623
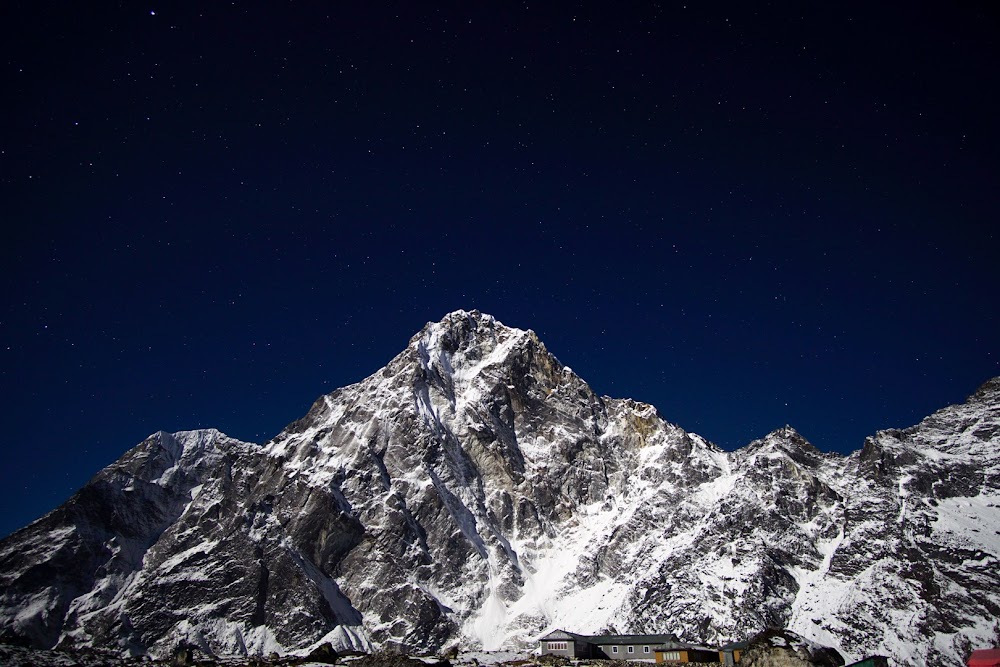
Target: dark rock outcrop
780, 648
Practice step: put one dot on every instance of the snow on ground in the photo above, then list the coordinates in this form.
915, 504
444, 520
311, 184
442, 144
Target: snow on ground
819, 595
547, 573
487, 657
490, 624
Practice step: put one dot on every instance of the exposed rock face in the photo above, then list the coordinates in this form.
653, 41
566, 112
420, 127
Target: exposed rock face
476, 491
781, 648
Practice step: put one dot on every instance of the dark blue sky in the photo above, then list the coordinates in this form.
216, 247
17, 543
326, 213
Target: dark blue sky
747, 217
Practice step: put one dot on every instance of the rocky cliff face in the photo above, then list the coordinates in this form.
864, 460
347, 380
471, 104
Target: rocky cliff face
476, 491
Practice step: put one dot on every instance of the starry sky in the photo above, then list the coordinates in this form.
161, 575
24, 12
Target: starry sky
746, 216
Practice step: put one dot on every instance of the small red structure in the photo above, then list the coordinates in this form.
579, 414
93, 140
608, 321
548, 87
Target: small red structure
987, 657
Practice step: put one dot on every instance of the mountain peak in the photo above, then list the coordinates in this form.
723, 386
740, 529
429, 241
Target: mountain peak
464, 342
784, 438
458, 327
468, 322
474, 314
789, 442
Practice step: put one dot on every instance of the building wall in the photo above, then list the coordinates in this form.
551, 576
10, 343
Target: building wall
730, 657
698, 655
687, 655
563, 647
567, 648
621, 652
671, 656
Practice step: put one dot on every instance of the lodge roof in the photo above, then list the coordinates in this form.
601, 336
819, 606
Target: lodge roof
562, 634
632, 639
606, 640
735, 646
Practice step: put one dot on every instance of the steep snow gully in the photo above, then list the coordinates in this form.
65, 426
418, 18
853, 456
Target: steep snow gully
477, 492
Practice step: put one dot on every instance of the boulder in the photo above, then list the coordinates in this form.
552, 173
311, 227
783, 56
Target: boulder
782, 648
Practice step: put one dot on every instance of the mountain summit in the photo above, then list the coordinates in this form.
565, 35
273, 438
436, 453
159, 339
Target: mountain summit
477, 492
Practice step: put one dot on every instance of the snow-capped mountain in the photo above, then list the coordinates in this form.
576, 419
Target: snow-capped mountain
477, 492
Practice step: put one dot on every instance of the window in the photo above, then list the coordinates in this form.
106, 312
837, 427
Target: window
645, 649
671, 656
631, 649
557, 646
614, 649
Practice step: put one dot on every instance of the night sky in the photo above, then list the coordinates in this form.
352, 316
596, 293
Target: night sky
214, 213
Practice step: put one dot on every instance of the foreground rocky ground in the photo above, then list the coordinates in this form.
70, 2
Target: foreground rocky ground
18, 656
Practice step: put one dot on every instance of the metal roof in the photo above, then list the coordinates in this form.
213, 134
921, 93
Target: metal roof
601, 640
735, 646
607, 640
988, 657
667, 642
562, 634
